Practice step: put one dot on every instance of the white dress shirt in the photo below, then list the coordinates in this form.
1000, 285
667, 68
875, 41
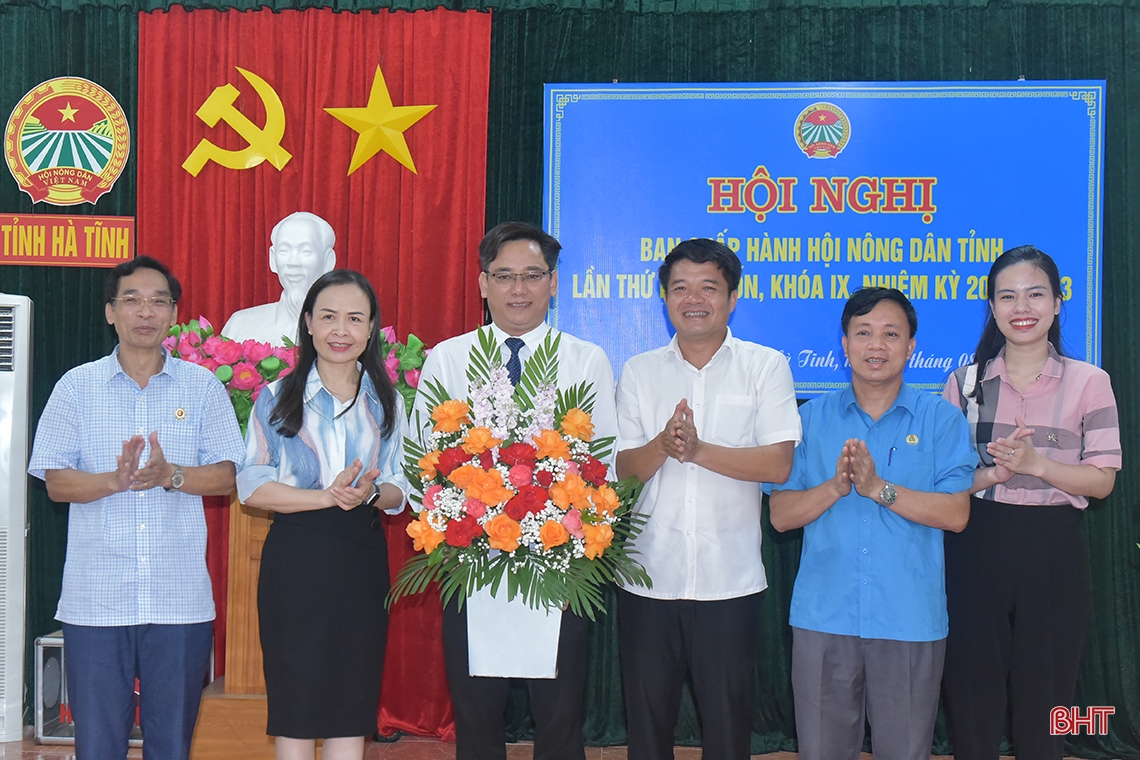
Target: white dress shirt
578, 361
493, 623
702, 540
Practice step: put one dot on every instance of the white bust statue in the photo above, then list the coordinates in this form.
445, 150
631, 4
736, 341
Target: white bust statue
300, 251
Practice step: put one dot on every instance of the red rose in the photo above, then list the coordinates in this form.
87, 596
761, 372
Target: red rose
534, 497
594, 470
515, 508
518, 453
462, 532
529, 500
544, 478
486, 461
449, 459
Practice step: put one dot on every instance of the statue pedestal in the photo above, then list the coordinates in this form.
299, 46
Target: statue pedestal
248, 528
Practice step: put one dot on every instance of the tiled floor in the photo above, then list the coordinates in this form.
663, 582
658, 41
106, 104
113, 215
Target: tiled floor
233, 728
407, 748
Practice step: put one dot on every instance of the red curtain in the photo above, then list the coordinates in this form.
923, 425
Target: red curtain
413, 235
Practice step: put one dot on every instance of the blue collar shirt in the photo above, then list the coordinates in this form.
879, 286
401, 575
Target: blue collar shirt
865, 570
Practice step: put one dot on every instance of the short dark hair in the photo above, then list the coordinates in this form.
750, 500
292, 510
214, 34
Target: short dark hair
127, 268
699, 251
506, 232
864, 300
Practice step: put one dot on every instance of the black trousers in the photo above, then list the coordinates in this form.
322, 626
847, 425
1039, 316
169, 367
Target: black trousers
715, 643
480, 703
1017, 590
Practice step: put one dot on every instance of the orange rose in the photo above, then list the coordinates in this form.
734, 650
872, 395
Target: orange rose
503, 533
450, 416
487, 486
570, 492
553, 534
598, 539
424, 537
479, 440
606, 500
427, 465
550, 444
577, 424
463, 476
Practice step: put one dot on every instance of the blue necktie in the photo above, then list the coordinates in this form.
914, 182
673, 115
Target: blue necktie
514, 365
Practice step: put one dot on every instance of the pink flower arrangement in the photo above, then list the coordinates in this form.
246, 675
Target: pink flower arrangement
245, 368
404, 362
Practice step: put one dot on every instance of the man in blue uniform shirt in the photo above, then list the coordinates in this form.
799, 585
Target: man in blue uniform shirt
882, 470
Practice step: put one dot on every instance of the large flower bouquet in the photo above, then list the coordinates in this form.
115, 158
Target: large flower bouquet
244, 368
514, 490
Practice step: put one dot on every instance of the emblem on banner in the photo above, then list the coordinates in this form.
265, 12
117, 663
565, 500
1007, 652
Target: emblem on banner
264, 143
822, 130
67, 141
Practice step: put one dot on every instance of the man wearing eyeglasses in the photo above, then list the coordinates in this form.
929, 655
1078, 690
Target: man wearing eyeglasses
133, 441
518, 280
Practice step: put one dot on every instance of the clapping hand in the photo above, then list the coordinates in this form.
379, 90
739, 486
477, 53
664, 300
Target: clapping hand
671, 437
842, 478
127, 463
864, 476
1015, 454
347, 496
689, 441
157, 470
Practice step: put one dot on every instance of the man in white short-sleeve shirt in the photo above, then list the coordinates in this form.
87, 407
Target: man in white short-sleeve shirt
703, 421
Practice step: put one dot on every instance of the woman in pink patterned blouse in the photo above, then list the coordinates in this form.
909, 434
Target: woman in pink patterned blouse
1045, 427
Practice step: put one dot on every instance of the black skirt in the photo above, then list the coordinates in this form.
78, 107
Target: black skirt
320, 598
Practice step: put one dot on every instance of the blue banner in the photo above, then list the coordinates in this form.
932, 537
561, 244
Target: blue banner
822, 189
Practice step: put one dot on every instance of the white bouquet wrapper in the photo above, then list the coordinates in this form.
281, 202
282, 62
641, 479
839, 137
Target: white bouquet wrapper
510, 639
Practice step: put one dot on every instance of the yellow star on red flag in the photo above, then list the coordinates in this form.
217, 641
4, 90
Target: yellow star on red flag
381, 126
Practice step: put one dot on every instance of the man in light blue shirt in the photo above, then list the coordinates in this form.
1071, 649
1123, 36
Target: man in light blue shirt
133, 441
882, 470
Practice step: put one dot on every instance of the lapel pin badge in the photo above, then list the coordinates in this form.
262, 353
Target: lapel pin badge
912, 439
179, 414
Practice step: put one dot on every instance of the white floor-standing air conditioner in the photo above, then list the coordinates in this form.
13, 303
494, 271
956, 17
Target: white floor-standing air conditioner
15, 406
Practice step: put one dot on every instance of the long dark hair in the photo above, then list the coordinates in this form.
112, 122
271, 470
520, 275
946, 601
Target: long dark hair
289, 411
992, 341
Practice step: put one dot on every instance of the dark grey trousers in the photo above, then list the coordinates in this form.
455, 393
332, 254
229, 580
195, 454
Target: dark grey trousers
840, 680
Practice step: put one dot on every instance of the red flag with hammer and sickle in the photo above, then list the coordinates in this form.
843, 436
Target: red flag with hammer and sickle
247, 117
376, 122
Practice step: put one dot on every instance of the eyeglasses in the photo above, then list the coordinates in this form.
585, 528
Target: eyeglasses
135, 303
506, 279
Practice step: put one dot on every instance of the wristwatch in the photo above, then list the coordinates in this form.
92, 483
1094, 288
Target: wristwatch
888, 495
177, 479
375, 497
